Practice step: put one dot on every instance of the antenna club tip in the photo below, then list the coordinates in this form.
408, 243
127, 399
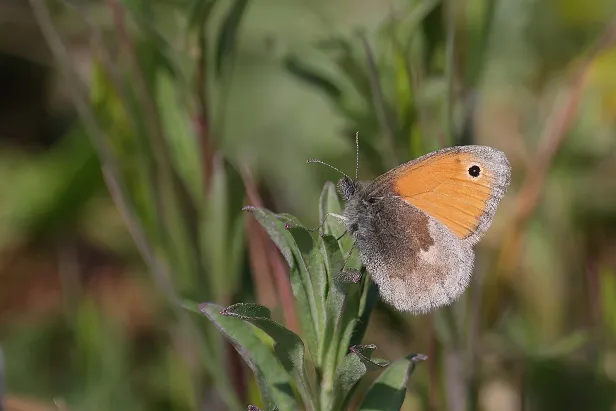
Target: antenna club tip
314, 160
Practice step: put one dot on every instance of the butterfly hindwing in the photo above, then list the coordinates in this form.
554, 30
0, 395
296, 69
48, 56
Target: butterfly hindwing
417, 263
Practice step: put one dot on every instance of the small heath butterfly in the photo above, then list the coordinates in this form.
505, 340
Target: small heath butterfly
416, 225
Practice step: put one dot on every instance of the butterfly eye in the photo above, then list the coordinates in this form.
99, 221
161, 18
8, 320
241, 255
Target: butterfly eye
372, 200
474, 171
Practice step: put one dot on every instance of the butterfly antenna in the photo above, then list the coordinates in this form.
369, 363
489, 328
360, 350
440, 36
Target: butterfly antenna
314, 160
356, 155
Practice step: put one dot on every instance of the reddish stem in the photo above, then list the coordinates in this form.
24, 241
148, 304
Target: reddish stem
267, 264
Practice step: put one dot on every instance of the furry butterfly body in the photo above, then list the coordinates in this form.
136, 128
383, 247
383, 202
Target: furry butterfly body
415, 226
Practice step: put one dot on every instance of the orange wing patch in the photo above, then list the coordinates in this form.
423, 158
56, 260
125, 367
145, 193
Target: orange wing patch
442, 187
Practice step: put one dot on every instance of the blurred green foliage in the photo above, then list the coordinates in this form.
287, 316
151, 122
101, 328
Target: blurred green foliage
196, 108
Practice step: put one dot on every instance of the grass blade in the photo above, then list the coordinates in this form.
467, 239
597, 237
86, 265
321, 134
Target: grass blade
227, 37
310, 76
200, 11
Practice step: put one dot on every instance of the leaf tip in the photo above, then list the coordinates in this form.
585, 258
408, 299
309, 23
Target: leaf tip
253, 408
249, 208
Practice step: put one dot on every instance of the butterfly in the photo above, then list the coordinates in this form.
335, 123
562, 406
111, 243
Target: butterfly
416, 226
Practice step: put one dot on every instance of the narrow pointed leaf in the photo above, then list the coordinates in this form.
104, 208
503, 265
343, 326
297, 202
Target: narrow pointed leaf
313, 261
288, 347
227, 37
342, 308
351, 64
311, 76
222, 229
300, 275
388, 391
350, 371
199, 13
369, 298
179, 133
329, 202
273, 381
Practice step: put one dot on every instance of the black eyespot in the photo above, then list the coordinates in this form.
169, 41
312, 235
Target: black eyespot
474, 171
371, 200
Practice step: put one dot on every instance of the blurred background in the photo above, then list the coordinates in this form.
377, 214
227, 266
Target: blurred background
195, 108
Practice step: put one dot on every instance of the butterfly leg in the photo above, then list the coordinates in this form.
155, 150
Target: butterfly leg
351, 275
338, 216
348, 257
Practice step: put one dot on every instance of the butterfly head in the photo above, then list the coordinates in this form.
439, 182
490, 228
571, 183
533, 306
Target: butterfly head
347, 188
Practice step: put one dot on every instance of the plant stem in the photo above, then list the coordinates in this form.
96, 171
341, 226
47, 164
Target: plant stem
203, 115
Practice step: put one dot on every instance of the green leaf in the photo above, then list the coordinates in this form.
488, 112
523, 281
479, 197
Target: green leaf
329, 202
342, 306
318, 272
301, 283
479, 39
350, 63
227, 37
200, 11
222, 228
388, 391
434, 32
179, 132
288, 347
313, 258
350, 371
45, 194
369, 298
310, 76
273, 382
155, 48
359, 306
